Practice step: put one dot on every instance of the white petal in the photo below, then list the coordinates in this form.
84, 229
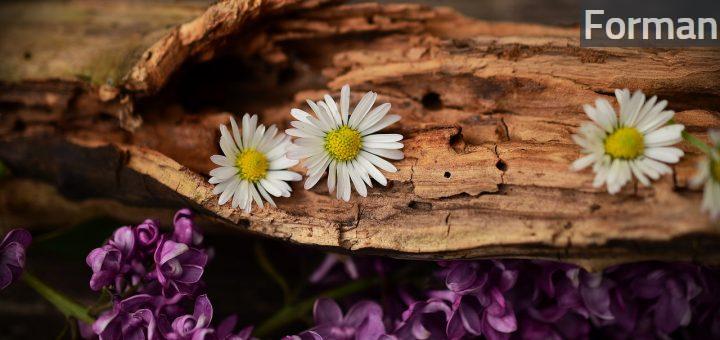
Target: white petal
284, 175
362, 108
300, 133
374, 116
379, 162
664, 154
667, 135
659, 167
300, 115
361, 171
236, 133
390, 154
345, 103
332, 175
638, 173
256, 196
388, 137
372, 170
382, 145
606, 110
308, 128
265, 195
257, 136
218, 189
583, 162
714, 136
226, 143
356, 181
383, 123
344, 182
282, 163
224, 172
221, 160
657, 121
241, 195
249, 124
601, 118
702, 175
267, 185
312, 180
332, 108
229, 191
633, 108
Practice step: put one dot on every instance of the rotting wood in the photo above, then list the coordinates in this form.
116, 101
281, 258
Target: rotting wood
488, 110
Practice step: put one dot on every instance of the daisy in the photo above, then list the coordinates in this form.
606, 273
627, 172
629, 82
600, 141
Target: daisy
709, 176
253, 166
345, 144
637, 143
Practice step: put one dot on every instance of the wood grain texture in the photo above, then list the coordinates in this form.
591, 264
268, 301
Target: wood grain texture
488, 110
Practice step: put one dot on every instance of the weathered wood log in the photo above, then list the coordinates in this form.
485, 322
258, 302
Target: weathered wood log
488, 110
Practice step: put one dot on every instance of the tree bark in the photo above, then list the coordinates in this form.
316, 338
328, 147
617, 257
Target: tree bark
487, 114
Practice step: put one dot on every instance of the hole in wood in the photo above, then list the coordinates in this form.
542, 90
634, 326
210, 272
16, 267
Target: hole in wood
501, 165
447, 174
432, 101
420, 205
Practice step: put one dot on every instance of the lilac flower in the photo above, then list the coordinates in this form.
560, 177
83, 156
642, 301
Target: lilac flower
185, 230
306, 335
131, 318
177, 266
224, 331
424, 320
110, 262
147, 234
329, 262
652, 300
363, 321
479, 306
12, 255
195, 326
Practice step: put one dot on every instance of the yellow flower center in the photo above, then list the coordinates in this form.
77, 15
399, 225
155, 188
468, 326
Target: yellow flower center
625, 143
343, 143
253, 165
715, 169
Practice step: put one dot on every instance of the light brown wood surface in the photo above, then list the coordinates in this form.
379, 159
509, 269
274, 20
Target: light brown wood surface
488, 110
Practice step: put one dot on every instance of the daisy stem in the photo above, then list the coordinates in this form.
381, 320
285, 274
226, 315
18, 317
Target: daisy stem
64, 304
696, 142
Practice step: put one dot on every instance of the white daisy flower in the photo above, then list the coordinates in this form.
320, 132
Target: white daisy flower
635, 144
344, 143
253, 166
708, 175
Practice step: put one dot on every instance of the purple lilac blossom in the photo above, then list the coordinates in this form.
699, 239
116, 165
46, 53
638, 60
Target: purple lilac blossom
189, 326
177, 266
132, 318
364, 321
184, 230
12, 255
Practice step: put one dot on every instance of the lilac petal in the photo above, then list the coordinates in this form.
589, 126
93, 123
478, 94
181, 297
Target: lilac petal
504, 323
226, 326
461, 277
372, 327
124, 239
190, 274
203, 310
361, 311
6, 277
20, 236
324, 268
597, 301
455, 328
101, 279
326, 311
470, 316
